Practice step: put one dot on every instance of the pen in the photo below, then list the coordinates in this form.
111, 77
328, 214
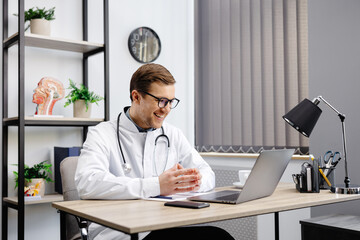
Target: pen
163, 197
323, 175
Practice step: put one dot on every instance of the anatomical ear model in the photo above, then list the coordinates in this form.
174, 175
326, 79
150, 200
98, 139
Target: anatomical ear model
47, 93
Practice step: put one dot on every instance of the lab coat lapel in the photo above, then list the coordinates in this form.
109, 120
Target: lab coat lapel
133, 145
126, 123
149, 154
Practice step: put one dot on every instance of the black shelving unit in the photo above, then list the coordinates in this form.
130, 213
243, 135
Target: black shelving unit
23, 40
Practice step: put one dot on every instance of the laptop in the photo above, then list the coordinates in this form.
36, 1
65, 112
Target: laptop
262, 181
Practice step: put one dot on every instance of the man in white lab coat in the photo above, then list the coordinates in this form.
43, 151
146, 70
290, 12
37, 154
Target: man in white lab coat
138, 155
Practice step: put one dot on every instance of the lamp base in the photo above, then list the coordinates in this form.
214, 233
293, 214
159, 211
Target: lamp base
352, 189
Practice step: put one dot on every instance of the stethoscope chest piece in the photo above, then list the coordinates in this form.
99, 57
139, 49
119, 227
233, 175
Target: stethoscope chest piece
127, 168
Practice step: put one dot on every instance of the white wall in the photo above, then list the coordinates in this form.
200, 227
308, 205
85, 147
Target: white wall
173, 22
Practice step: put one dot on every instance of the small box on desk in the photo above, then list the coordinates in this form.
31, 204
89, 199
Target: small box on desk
308, 179
60, 153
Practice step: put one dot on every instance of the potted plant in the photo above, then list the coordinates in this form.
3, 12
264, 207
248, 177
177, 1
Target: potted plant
82, 99
39, 20
35, 177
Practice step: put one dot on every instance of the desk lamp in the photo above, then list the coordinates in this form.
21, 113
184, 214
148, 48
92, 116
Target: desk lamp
303, 118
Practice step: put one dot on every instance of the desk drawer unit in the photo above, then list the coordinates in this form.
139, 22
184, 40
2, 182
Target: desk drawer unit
241, 228
331, 227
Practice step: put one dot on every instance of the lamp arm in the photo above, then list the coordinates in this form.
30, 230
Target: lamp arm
347, 179
316, 101
342, 119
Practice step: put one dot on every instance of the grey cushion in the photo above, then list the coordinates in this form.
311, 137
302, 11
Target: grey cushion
67, 171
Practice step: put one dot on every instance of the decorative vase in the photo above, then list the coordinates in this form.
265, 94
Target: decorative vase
34, 181
80, 109
40, 26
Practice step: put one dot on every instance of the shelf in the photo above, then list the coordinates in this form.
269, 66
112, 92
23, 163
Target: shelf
46, 199
40, 41
51, 45
53, 121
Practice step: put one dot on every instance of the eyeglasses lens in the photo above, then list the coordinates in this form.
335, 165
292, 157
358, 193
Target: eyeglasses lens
172, 103
163, 102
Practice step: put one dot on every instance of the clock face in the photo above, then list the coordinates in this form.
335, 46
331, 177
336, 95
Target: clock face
144, 44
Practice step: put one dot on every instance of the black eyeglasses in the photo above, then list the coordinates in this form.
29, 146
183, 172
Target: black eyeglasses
162, 102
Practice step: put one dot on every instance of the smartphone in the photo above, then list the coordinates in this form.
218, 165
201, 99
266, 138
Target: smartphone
187, 204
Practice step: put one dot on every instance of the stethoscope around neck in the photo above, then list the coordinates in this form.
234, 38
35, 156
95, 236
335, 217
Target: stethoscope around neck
126, 166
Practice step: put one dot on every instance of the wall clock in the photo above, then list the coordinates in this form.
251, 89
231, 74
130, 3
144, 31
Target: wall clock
144, 45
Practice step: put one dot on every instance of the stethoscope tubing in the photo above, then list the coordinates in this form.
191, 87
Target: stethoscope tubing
163, 135
118, 137
126, 166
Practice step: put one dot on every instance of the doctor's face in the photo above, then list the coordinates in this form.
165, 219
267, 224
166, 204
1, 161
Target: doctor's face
150, 115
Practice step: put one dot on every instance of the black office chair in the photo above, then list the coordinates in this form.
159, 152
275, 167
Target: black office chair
76, 228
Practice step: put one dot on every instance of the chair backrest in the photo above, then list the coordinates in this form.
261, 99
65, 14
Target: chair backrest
67, 171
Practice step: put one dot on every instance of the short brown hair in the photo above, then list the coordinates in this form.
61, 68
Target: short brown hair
147, 74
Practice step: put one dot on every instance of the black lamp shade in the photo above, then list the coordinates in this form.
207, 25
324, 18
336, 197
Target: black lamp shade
303, 117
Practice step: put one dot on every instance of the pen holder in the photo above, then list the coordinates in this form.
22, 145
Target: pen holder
329, 173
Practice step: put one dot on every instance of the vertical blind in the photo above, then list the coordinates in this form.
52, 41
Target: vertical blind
251, 68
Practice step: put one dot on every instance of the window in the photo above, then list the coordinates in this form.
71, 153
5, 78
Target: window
251, 68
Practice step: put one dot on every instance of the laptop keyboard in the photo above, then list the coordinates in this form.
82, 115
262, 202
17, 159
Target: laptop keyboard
228, 197
231, 197
224, 195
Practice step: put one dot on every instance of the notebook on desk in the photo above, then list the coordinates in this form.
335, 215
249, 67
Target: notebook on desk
262, 181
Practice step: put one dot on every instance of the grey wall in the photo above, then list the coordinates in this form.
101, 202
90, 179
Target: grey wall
334, 73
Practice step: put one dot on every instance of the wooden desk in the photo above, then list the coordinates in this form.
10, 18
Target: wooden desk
135, 216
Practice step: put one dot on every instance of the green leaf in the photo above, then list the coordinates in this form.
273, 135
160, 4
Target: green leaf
81, 93
40, 170
39, 13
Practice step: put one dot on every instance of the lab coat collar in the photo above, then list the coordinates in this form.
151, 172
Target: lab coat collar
125, 122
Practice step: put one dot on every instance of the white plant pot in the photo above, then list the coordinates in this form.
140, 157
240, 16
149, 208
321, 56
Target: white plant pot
34, 181
80, 109
40, 26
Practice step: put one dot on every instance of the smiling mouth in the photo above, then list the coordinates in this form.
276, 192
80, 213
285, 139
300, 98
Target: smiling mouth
159, 116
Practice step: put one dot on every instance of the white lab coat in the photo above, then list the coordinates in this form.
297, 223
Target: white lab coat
100, 175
